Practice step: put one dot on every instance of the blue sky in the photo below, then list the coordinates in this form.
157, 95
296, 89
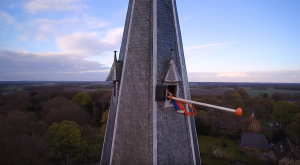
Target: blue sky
224, 40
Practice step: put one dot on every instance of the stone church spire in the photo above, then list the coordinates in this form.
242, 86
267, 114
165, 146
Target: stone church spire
141, 129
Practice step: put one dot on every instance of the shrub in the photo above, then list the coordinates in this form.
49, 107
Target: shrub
224, 144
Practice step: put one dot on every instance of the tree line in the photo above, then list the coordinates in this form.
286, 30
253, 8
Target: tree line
50, 126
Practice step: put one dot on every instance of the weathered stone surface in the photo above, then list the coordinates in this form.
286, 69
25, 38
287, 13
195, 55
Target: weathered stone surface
133, 138
110, 75
107, 145
188, 94
173, 132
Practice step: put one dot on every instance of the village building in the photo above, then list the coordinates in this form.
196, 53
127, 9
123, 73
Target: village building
250, 124
229, 122
287, 153
254, 141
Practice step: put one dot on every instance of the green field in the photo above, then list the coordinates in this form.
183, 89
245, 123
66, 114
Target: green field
250, 91
13, 88
254, 93
205, 158
207, 143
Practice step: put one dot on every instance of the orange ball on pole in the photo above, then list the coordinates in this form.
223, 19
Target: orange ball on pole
238, 111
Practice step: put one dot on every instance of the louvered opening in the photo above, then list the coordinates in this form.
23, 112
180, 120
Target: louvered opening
172, 89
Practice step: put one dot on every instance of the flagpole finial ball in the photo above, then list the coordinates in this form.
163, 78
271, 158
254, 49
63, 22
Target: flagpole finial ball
238, 112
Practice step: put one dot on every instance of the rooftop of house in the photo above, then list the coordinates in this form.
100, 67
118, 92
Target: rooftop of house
285, 149
257, 141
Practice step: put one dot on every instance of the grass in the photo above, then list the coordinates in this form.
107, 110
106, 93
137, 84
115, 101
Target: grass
207, 143
205, 159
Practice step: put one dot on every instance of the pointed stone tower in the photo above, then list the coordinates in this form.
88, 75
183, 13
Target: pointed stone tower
143, 127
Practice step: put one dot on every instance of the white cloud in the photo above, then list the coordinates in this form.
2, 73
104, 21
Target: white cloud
65, 20
44, 31
284, 76
200, 48
89, 71
232, 74
72, 17
47, 28
108, 61
4, 16
89, 44
35, 6
92, 22
23, 65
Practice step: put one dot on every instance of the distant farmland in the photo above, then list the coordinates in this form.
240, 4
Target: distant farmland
251, 92
207, 91
254, 93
